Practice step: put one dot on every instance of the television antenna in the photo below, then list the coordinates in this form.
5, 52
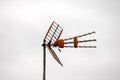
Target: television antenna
51, 39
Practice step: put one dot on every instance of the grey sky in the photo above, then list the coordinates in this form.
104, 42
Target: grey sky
23, 24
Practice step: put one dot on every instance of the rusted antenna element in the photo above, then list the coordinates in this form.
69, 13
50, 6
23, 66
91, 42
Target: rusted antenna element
52, 39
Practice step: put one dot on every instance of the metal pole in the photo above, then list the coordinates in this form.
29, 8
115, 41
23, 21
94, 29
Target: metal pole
44, 60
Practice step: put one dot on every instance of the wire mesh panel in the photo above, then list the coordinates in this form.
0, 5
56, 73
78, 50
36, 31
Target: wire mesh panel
53, 33
51, 36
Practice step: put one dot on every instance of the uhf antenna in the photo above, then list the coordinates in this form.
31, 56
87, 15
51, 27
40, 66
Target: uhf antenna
51, 40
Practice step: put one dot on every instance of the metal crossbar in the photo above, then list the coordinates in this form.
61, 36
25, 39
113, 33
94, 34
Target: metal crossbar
81, 35
81, 46
90, 40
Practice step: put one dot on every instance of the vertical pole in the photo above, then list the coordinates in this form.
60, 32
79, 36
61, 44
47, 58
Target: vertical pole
44, 60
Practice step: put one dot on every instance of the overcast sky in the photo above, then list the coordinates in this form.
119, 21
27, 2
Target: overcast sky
24, 23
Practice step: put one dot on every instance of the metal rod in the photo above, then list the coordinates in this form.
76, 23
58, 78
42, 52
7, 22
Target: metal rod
60, 34
80, 46
86, 34
90, 40
49, 29
81, 35
44, 60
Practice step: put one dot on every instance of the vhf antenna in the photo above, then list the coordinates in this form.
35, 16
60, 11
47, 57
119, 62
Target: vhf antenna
52, 39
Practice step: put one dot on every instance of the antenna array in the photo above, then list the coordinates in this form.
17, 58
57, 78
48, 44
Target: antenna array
52, 39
